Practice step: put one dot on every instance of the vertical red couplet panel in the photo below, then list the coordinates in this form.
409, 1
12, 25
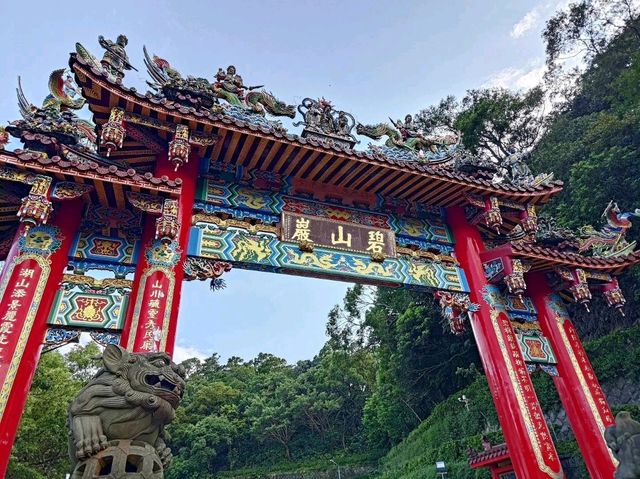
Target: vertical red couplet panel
28, 285
580, 392
152, 320
525, 430
147, 311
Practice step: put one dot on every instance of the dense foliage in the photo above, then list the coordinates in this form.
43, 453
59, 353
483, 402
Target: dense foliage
452, 428
40, 450
264, 411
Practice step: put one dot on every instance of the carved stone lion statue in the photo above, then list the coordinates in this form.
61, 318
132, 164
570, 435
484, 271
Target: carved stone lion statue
132, 397
624, 441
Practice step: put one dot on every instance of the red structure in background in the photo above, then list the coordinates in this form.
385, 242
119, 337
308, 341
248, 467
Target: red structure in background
192, 178
496, 459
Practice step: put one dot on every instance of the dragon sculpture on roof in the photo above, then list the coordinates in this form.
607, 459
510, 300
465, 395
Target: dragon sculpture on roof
55, 118
201, 93
610, 240
437, 145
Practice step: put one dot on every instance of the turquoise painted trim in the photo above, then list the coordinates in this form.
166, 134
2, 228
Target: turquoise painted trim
266, 252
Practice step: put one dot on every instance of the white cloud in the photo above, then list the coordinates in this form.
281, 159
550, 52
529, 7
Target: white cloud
535, 18
526, 23
181, 353
518, 78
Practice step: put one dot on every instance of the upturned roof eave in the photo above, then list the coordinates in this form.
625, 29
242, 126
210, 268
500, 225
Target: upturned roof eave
535, 194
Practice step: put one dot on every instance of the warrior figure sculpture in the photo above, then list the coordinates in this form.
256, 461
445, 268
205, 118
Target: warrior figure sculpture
115, 60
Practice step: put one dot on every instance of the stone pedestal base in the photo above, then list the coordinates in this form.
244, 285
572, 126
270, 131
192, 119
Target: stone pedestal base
121, 460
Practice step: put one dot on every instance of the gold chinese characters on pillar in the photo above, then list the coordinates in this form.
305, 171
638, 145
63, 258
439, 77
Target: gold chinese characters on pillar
310, 231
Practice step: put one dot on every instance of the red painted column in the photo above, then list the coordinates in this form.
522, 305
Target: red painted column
532, 452
28, 285
152, 316
577, 384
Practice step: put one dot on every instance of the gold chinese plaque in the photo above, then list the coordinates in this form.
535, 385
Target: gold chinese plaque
340, 235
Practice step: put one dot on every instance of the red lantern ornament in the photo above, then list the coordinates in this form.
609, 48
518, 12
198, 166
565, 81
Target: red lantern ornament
613, 296
492, 216
167, 225
113, 131
180, 148
530, 220
580, 289
515, 281
36, 207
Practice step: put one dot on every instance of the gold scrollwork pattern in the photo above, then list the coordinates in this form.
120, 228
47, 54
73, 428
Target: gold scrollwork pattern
522, 405
563, 321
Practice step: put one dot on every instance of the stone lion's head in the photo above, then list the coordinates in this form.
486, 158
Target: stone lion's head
145, 376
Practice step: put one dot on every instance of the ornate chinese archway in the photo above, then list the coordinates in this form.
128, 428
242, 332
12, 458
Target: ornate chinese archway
193, 178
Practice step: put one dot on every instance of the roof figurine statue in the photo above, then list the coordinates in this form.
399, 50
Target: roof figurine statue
513, 170
200, 93
168, 83
321, 121
4, 137
114, 61
54, 119
229, 85
610, 240
434, 146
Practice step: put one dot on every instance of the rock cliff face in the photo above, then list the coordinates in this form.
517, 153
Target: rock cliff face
621, 392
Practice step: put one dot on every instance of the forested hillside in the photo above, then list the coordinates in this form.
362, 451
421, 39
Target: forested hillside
390, 366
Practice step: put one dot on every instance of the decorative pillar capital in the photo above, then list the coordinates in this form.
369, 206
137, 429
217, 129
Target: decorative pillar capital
168, 225
500, 265
204, 268
179, 147
36, 206
113, 131
68, 190
456, 309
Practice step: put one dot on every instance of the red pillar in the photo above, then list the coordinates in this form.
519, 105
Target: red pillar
152, 316
28, 285
577, 384
531, 449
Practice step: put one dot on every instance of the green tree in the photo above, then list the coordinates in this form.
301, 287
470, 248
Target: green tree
42, 442
417, 359
494, 120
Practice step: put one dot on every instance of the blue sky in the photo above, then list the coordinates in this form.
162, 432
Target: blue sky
375, 59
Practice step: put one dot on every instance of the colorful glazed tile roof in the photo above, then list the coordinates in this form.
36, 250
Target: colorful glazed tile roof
82, 165
269, 148
543, 258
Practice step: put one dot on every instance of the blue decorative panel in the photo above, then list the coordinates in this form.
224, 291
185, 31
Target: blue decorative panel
266, 252
79, 308
510, 303
91, 246
243, 201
